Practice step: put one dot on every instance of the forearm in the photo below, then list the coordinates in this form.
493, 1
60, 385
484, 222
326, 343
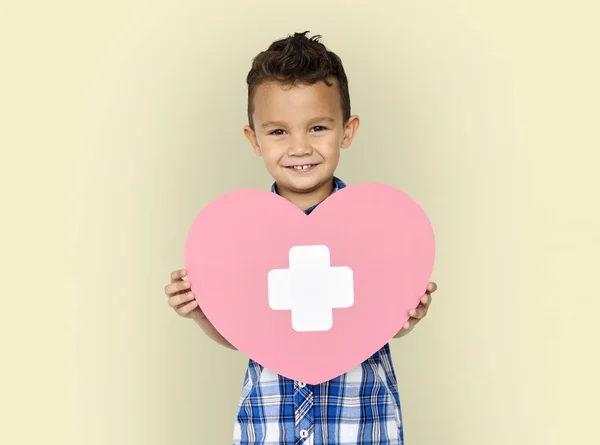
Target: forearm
212, 332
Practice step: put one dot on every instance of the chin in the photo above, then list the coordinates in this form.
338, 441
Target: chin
304, 186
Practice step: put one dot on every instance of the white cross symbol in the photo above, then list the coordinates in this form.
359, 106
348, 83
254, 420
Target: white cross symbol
311, 288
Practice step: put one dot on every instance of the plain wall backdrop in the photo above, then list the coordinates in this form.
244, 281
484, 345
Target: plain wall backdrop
120, 120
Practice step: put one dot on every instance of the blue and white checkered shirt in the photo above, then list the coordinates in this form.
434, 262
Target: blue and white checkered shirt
361, 407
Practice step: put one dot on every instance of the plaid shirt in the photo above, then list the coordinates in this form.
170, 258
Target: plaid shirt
361, 407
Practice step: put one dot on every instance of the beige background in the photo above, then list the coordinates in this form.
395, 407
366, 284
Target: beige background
121, 119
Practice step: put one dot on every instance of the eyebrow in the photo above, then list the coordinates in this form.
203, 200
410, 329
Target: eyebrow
312, 121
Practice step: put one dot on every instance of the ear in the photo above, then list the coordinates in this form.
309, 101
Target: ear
251, 136
350, 130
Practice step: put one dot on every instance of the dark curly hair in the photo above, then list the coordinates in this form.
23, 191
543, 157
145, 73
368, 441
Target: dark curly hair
298, 59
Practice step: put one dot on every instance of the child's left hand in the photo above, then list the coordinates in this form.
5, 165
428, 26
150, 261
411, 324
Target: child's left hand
419, 312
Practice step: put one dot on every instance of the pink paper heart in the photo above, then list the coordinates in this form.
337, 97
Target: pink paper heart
376, 232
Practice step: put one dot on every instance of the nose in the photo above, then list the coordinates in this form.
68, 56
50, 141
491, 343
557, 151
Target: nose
299, 146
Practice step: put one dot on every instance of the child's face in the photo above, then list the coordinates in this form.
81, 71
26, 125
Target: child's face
299, 130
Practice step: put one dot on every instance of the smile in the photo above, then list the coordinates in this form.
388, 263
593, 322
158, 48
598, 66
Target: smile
302, 168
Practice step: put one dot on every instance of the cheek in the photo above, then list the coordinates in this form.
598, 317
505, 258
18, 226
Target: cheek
335, 141
271, 155
330, 149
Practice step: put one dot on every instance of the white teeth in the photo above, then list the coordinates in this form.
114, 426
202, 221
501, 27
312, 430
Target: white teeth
301, 167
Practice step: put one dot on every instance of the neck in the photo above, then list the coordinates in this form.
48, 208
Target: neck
306, 200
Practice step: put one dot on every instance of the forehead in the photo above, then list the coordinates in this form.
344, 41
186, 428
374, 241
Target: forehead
277, 101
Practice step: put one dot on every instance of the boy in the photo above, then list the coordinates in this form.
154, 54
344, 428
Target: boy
299, 118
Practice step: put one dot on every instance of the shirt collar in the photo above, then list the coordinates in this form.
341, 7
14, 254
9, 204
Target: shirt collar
338, 184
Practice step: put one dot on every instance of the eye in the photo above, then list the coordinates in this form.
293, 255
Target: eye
277, 132
319, 128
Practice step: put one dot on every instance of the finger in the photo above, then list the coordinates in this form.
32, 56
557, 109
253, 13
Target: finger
411, 322
177, 287
180, 299
178, 275
418, 313
426, 300
431, 288
187, 308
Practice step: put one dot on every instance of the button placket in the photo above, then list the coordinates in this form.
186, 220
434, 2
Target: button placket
304, 405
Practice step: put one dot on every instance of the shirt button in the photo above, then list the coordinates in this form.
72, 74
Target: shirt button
303, 434
301, 384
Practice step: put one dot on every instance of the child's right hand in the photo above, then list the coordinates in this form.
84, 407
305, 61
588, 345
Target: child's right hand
181, 298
